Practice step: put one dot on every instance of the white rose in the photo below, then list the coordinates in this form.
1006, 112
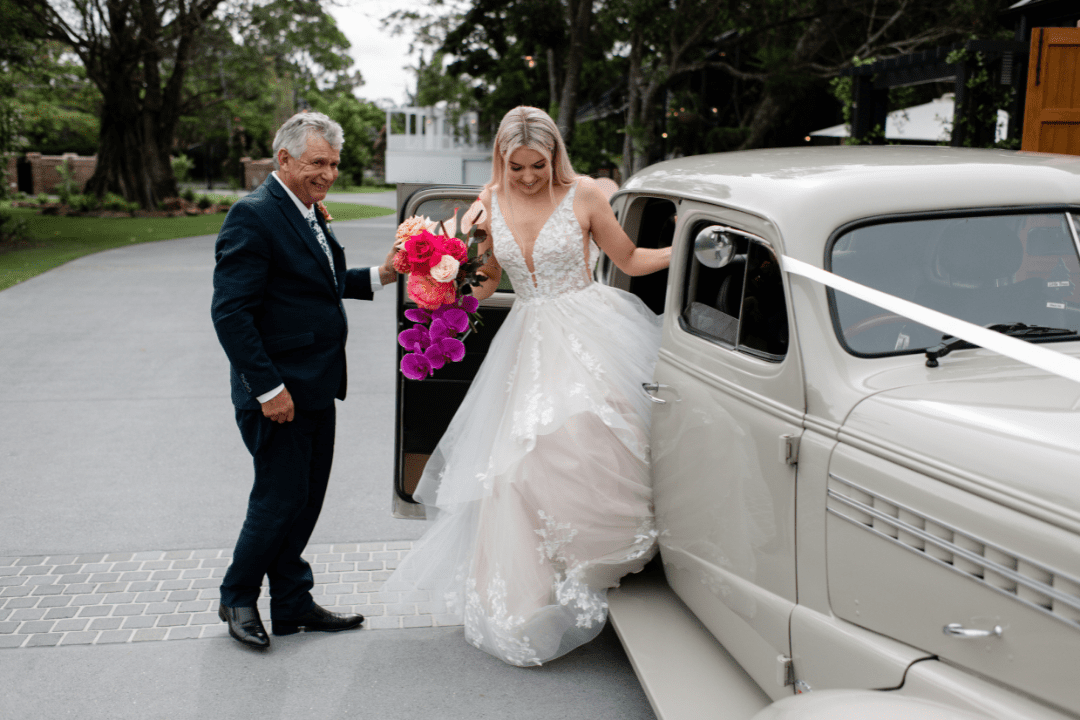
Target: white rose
446, 270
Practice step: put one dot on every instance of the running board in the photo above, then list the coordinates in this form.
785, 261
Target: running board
685, 672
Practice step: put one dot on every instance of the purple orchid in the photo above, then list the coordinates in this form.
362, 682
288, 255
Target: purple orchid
469, 304
415, 366
417, 338
418, 315
454, 318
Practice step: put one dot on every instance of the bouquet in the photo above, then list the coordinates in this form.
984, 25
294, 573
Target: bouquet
441, 278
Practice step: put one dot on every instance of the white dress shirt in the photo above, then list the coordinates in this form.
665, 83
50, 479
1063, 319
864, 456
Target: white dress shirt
376, 283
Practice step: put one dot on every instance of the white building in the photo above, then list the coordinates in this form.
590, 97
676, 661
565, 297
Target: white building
928, 123
425, 145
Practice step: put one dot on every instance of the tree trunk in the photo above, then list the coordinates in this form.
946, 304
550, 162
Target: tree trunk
633, 107
133, 150
579, 13
125, 47
775, 102
553, 80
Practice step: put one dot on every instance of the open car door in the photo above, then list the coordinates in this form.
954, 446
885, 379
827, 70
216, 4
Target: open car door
424, 408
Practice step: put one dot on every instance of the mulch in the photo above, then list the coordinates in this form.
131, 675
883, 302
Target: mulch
173, 207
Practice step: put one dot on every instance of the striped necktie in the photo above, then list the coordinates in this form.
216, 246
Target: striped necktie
322, 241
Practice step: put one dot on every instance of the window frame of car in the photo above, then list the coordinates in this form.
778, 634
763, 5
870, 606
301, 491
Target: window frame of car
691, 272
1071, 212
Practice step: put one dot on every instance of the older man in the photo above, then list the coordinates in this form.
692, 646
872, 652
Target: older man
279, 282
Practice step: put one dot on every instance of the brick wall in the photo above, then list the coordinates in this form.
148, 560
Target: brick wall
46, 178
256, 171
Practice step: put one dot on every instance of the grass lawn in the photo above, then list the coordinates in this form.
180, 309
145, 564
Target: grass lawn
57, 240
363, 188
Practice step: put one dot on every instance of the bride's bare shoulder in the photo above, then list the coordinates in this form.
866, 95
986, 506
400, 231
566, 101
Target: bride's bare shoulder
590, 194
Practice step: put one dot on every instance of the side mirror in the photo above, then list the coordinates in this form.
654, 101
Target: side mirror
714, 247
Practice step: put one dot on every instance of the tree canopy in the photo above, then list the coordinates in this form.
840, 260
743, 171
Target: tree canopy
210, 77
676, 76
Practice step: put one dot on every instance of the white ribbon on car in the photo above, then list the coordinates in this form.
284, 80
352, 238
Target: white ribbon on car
1036, 355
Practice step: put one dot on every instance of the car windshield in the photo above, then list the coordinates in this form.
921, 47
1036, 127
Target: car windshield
989, 269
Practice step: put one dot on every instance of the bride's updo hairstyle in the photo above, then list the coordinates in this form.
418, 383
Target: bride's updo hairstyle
532, 128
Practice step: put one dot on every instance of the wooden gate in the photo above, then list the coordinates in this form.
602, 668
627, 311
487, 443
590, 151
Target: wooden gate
1052, 112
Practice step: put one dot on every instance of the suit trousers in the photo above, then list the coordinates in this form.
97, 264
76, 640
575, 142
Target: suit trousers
292, 466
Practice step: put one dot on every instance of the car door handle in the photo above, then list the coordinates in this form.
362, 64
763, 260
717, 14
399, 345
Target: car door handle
957, 630
650, 388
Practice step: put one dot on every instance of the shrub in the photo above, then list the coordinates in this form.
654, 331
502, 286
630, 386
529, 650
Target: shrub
181, 168
67, 187
42, 199
188, 195
112, 201
12, 229
204, 202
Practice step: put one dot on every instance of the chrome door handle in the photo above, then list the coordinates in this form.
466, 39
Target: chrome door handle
650, 388
957, 630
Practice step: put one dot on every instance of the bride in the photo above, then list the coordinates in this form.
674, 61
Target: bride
538, 493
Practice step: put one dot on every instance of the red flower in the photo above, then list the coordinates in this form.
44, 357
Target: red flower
455, 248
423, 251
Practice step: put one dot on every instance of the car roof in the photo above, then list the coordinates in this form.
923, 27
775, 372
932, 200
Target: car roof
809, 192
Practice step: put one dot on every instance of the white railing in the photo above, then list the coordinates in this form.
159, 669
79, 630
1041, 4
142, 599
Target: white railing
427, 145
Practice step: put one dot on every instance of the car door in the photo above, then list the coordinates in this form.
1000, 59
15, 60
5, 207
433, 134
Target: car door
424, 408
728, 413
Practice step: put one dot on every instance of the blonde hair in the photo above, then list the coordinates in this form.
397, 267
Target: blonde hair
532, 128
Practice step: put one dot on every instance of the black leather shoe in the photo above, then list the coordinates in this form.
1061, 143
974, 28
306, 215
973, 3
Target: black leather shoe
317, 619
245, 625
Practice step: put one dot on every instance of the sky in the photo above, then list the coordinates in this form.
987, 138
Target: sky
380, 58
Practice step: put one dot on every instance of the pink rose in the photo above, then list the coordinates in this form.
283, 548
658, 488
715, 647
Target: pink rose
401, 262
429, 294
446, 269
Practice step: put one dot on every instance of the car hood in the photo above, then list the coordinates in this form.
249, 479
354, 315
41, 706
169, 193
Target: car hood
1014, 432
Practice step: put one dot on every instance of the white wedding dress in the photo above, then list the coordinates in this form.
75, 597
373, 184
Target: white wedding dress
538, 494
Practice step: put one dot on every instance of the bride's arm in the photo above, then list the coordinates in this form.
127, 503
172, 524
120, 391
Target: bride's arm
491, 269
613, 240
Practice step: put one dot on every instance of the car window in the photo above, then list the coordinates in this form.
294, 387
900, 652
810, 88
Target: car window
985, 269
740, 305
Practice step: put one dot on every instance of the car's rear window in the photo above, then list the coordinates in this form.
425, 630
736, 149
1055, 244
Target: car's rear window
985, 269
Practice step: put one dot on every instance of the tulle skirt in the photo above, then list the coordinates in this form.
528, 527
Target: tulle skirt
538, 495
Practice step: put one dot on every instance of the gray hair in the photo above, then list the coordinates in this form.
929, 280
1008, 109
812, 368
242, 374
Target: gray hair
294, 133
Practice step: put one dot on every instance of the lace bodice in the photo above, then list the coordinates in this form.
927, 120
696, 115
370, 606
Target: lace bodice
558, 255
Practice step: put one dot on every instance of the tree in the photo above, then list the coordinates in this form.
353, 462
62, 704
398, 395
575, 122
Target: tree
511, 52
19, 36
58, 109
361, 121
255, 66
139, 54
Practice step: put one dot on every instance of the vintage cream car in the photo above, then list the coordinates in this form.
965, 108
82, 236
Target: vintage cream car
869, 504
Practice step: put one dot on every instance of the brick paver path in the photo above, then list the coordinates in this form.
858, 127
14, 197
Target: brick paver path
173, 595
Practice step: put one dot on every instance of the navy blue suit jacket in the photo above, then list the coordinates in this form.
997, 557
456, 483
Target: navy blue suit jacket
276, 310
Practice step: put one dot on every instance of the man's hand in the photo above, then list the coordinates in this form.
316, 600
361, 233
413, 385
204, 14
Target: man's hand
280, 408
387, 273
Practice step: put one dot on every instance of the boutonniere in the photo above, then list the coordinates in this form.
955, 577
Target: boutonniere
325, 213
